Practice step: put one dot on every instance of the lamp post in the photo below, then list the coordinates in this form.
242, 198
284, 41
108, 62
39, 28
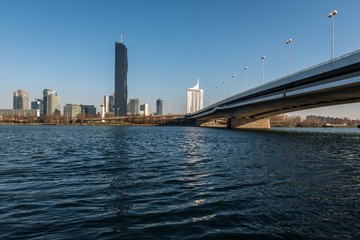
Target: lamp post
233, 77
206, 100
217, 94
288, 43
262, 58
224, 82
210, 97
331, 15
245, 68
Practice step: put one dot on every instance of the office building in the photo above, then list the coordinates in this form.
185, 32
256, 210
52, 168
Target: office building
88, 109
194, 99
21, 99
72, 110
134, 106
37, 104
159, 106
51, 102
121, 68
144, 109
109, 104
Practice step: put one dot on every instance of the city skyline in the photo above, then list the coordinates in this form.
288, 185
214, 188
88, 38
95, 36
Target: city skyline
214, 41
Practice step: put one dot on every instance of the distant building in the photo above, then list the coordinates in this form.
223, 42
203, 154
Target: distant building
21, 99
144, 109
134, 106
121, 68
51, 102
159, 106
38, 104
21, 112
72, 110
109, 104
194, 99
88, 109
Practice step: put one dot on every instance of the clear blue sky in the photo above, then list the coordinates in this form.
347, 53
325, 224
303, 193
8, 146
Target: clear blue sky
68, 46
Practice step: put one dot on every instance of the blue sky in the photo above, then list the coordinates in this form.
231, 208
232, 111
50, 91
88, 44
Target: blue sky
68, 46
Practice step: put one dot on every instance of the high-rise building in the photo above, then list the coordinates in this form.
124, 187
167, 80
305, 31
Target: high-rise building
121, 68
38, 105
144, 109
72, 110
51, 102
134, 106
159, 106
21, 99
109, 103
194, 99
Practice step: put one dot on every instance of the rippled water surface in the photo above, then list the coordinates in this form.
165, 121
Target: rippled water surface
87, 182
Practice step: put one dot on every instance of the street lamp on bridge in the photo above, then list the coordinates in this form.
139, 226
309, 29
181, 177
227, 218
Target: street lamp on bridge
262, 58
217, 94
233, 77
210, 97
224, 82
331, 15
288, 43
245, 68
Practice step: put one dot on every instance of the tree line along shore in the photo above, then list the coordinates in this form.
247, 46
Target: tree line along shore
169, 120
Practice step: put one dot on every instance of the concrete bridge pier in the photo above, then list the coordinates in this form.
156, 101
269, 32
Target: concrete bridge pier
234, 122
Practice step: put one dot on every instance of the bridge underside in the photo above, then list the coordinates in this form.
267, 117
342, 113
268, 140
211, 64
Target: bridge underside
251, 114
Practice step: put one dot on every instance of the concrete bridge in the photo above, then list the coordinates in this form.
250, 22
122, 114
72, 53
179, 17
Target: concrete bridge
330, 83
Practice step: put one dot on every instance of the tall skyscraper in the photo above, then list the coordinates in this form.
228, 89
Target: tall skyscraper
121, 68
51, 102
21, 99
194, 99
159, 106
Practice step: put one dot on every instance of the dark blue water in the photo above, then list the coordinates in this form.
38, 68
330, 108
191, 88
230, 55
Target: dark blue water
79, 182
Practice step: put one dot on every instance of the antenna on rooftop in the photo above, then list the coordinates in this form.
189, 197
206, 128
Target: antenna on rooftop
121, 38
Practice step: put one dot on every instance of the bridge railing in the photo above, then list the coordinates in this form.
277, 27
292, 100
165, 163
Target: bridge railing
312, 67
282, 78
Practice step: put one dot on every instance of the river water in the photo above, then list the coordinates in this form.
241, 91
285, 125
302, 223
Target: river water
116, 182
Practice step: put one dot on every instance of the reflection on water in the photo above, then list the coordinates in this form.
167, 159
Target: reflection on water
61, 182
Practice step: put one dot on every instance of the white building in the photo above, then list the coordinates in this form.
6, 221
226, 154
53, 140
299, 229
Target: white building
194, 99
144, 109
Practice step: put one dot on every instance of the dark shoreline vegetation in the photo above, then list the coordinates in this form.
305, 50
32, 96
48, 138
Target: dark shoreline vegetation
171, 120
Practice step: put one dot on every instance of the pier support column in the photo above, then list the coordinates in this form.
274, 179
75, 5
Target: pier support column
248, 123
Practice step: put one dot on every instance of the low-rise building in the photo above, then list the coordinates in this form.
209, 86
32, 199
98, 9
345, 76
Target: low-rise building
72, 110
88, 109
20, 112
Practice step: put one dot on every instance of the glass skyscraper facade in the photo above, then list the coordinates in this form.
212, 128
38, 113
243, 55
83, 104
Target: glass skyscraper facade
159, 107
121, 69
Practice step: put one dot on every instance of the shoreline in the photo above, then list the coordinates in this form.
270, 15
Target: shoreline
148, 125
